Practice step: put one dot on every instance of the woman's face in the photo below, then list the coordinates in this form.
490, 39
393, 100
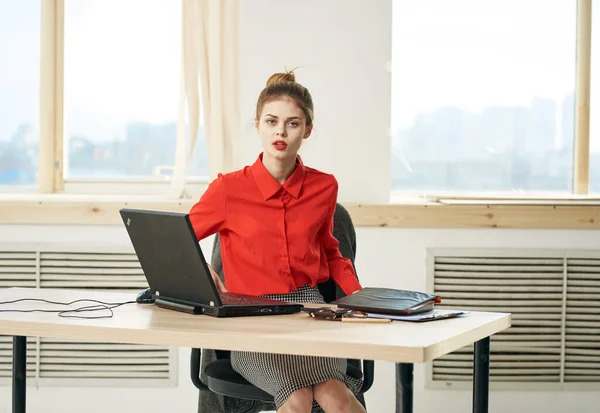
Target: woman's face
282, 128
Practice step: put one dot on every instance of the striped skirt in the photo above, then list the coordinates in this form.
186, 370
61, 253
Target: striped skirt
280, 374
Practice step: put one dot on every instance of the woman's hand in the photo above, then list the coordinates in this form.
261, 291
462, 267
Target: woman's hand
220, 286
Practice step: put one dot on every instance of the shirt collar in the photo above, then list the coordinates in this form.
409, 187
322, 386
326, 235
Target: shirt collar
268, 186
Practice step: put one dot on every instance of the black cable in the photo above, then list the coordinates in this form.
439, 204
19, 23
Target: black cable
99, 306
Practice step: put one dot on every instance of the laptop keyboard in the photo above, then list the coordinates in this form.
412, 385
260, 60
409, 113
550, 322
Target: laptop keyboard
237, 300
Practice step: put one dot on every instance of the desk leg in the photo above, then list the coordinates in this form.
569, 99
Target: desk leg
405, 374
19, 372
481, 375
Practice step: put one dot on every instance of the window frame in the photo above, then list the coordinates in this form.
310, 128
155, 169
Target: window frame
581, 147
581, 144
51, 157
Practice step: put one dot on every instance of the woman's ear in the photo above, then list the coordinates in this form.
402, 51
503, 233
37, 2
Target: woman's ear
308, 131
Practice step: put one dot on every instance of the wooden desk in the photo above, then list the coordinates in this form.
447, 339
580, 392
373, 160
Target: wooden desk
401, 342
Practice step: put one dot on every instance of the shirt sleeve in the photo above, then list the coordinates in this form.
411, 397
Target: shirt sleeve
340, 268
208, 214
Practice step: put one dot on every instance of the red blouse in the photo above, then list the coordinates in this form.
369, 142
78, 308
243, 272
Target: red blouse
274, 238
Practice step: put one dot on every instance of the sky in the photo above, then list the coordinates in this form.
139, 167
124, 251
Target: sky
124, 66
19, 64
472, 54
120, 67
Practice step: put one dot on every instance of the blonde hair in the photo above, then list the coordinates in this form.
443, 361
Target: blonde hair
281, 85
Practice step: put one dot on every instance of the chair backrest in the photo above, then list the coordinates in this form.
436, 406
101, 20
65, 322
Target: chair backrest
343, 231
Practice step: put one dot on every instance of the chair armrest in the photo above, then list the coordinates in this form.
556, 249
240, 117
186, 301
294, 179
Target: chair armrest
368, 375
195, 370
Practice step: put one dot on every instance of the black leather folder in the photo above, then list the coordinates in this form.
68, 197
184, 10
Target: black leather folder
389, 301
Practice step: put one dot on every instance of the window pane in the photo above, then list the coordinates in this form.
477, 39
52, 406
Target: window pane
482, 95
19, 92
122, 66
595, 103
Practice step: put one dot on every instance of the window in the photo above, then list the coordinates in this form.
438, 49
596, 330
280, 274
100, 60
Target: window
122, 79
595, 104
481, 102
19, 92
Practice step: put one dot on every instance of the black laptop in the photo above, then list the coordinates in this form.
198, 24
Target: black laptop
177, 273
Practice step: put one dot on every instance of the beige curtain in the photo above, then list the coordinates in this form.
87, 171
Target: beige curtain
209, 87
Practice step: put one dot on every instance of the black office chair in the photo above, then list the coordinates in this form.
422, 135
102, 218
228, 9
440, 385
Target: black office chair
221, 379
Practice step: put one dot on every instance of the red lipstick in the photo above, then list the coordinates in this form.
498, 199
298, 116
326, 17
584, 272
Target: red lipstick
280, 145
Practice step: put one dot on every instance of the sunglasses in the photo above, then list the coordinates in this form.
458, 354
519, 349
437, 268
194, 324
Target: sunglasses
326, 313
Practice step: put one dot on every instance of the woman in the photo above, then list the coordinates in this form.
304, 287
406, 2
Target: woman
275, 221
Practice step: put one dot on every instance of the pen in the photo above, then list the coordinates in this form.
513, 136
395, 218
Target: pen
365, 320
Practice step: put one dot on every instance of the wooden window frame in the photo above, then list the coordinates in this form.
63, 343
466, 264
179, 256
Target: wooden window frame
52, 102
581, 173
51, 205
51, 152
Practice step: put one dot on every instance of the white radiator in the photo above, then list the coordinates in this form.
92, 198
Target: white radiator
554, 298
65, 362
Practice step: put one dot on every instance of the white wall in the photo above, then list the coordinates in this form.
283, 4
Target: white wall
343, 46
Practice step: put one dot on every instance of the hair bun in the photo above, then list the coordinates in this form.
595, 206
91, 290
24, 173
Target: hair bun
281, 77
